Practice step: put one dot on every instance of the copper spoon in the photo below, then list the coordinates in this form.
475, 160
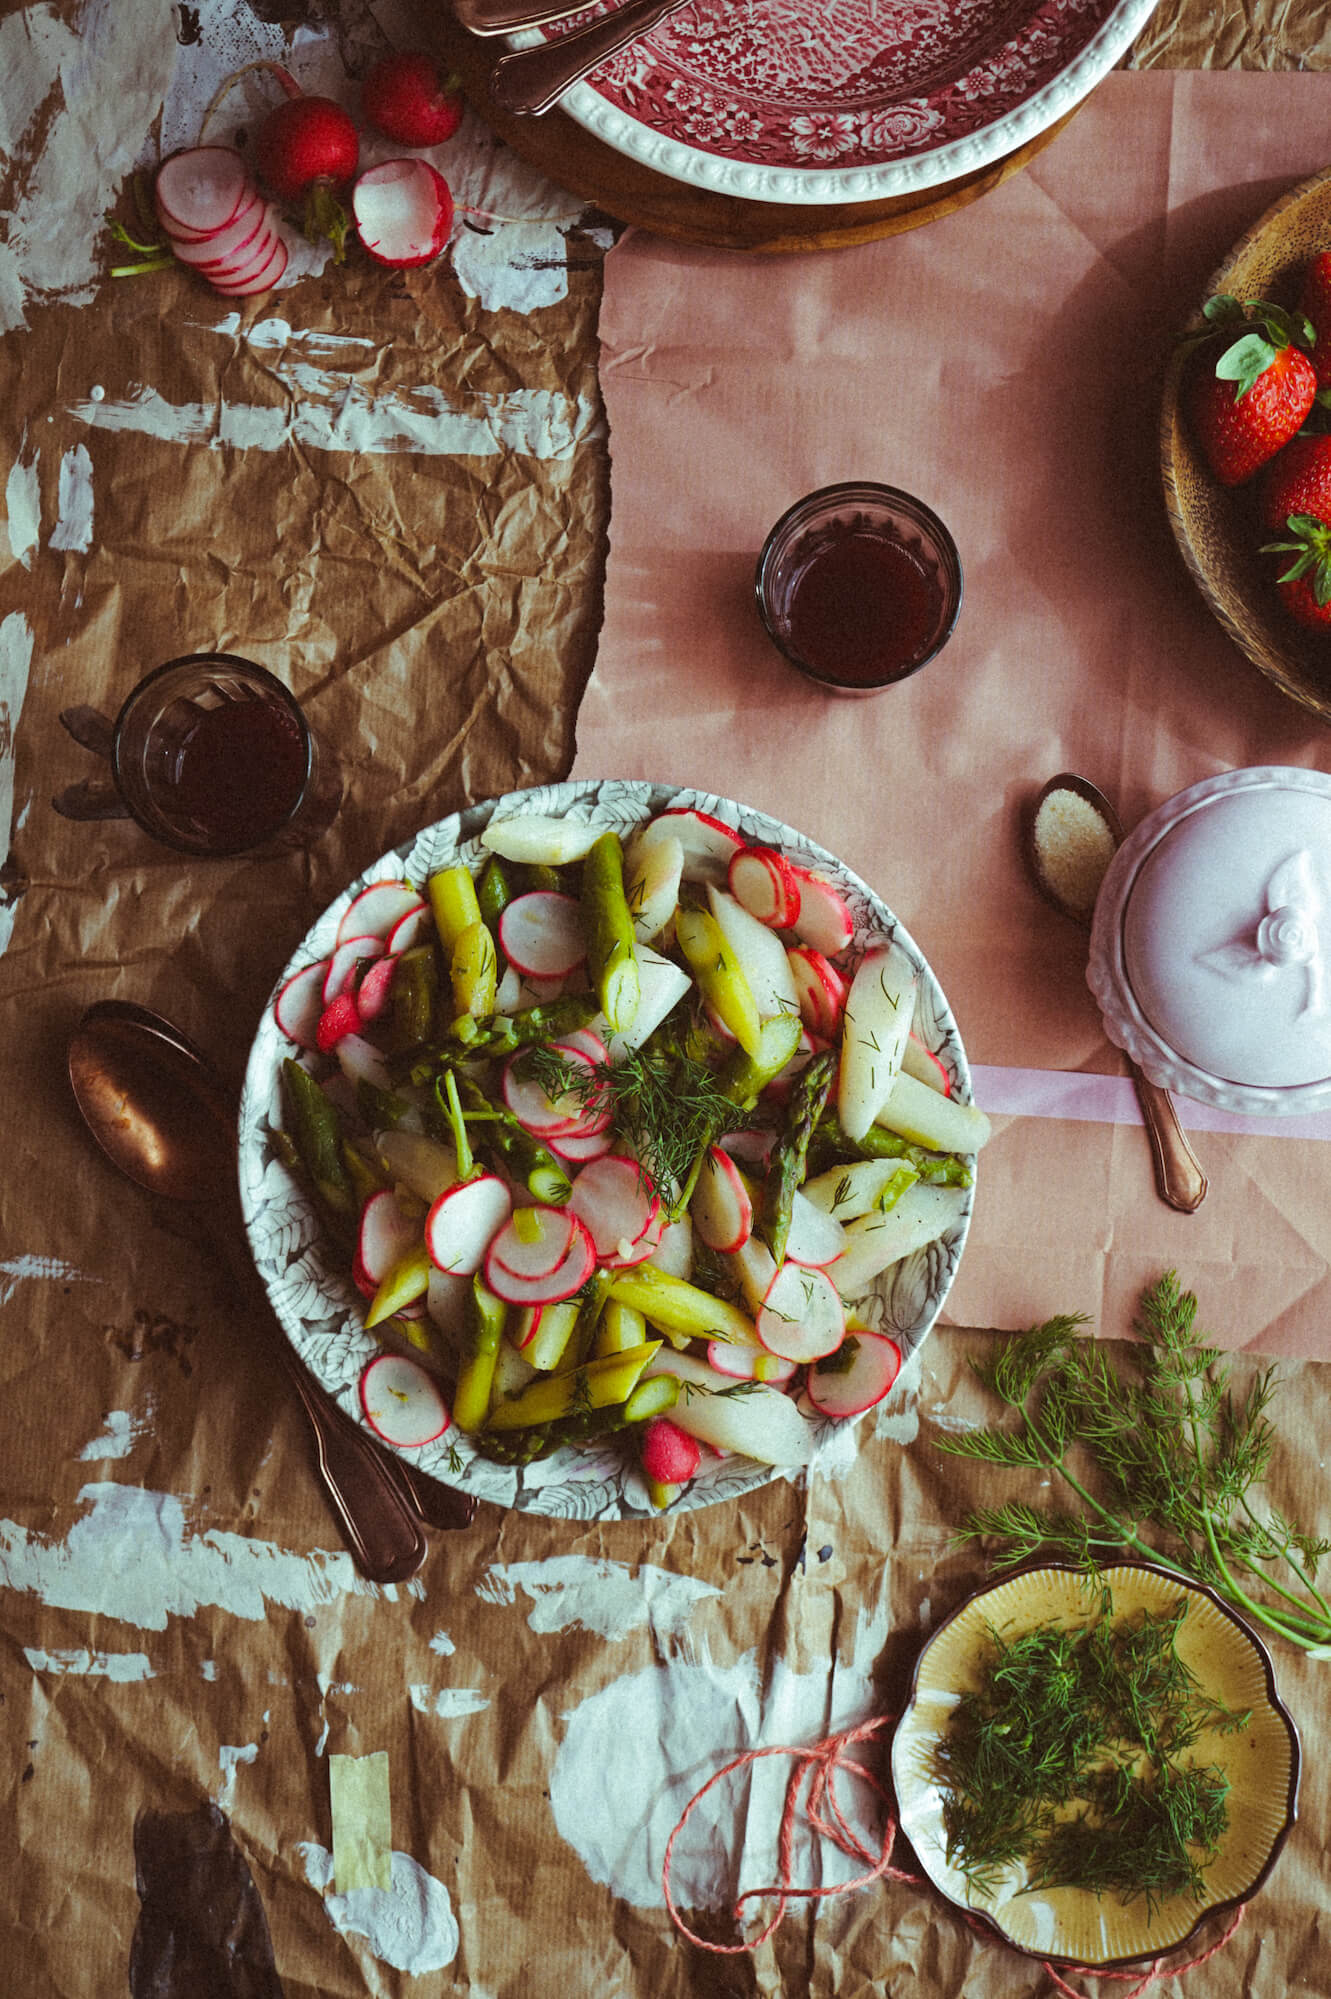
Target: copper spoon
529, 81
509, 17
164, 1118
1068, 875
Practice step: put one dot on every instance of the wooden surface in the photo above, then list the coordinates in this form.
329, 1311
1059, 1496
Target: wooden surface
633, 193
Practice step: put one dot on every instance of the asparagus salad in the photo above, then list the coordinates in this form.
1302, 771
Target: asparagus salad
617, 1132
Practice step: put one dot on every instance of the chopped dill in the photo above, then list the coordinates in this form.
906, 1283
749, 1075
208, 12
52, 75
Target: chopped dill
1065, 1760
666, 1106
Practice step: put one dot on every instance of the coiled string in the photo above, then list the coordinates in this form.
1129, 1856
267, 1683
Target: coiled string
822, 1814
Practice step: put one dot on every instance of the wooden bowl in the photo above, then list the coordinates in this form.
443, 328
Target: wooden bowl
1215, 526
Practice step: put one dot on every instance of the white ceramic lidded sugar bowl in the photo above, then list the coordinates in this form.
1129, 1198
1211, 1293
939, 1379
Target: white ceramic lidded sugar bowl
1211, 943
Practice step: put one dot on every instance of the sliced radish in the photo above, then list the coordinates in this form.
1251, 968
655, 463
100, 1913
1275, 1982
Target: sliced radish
750, 1148
338, 1019
587, 1043
243, 263
824, 918
921, 1063
709, 844
464, 1220
620, 1213
721, 1207
815, 1239
566, 1278
579, 1147
543, 934
527, 1326
199, 191
541, 840
532, 1242
387, 1231
761, 955
376, 988
749, 1363
234, 237
820, 988
376, 909
670, 1456
403, 1404
343, 963
802, 1317
875, 1026
300, 1003
403, 211
765, 883
407, 929
571, 1115
856, 1377
261, 281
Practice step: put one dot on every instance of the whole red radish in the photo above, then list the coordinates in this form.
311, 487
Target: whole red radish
406, 98
1248, 404
305, 150
670, 1456
1296, 506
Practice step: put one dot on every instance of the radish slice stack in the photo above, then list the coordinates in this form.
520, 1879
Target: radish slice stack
218, 223
335, 997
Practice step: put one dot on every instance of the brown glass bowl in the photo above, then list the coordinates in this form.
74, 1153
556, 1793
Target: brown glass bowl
1213, 525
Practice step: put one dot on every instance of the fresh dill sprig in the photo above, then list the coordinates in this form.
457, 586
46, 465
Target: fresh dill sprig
1065, 1760
1179, 1456
666, 1106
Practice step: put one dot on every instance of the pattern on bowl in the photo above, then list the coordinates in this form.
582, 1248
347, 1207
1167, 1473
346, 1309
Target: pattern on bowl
1231, 1665
1214, 525
852, 100
313, 1295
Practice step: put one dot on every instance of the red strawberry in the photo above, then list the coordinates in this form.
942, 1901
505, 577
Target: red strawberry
1247, 405
1315, 305
1296, 503
406, 99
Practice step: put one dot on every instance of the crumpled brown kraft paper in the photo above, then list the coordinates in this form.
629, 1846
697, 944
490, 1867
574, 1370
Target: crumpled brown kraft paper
185, 1641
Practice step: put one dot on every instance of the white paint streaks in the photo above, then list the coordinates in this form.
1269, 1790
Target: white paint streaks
579, 1592
637, 1751
230, 1756
443, 1645
447, 1703
410, 1926
91, 88
73, 529
117, 1439
330, 412
23, 506
272, 335
131, 1557
121, 1667
18, 1270
15, 666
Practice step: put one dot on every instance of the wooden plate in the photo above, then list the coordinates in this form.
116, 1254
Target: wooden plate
633, 193
1214, 526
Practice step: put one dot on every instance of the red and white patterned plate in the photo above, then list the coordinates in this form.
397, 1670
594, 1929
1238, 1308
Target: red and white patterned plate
828, 101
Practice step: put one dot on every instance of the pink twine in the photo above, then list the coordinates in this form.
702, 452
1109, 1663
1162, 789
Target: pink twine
825, 1816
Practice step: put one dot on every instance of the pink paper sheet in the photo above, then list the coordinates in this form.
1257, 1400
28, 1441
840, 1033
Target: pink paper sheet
1005, 364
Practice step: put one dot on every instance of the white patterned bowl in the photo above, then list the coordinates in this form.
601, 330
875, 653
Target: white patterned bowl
313, 1294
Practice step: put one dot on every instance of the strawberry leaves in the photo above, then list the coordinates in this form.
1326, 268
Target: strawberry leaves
1310, 545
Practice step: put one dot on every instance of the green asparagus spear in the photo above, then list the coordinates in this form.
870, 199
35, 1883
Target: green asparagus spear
944, 1169
786, 1168
611, 959
317, 1132
495, 1128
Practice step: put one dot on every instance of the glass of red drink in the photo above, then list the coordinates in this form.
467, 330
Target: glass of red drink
859, 585
212, 755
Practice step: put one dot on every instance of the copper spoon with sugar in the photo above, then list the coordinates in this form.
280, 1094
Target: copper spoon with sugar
1070, 837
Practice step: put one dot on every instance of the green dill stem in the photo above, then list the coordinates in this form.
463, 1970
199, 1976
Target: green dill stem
1313, 1635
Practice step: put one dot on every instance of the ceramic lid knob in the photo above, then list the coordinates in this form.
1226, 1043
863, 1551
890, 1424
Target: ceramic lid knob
1211, 949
